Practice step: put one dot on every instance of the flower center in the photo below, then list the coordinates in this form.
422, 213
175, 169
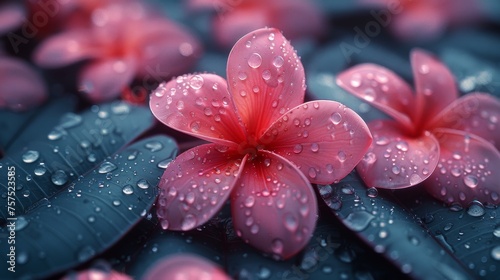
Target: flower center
251, 148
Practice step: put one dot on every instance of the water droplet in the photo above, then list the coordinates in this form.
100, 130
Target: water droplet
336, 118
128, 189
242, 76
56, 134
70, 120
196, 82
106, 167
369, 94
21, 223
358, 220
120, 108
424, 69
86, 253
341, 155
249, 201
266, 75
116, 202
382, 141
22, 258
195, 126
415, 179
471, 181
372, 192
402, 146
164, 224
248, 44
495, 253
255, 60
189, 222
312, 172
297, 149
277, 246
356, 80
143, 184
329, 168
314, 147
59, 178
180, 105
154, 146
164, 163
254, 229
40, 170
30, 156
278, 61
291, 222
476, 209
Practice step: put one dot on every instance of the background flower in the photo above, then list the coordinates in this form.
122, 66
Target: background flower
433, 133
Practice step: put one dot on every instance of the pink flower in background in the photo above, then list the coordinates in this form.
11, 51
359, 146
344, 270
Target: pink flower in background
266, 149
97, 274
448, 143
426, 19
185, 267
11, 17
21, 87
125, 42
234, 19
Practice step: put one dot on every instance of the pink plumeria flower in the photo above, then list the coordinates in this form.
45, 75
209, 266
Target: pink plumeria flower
425, 19
267, 147
185, 267
236, 18
122, 44
21, 87
449, 143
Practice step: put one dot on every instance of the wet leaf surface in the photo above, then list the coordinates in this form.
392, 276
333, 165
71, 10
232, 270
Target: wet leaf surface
71, 148
94, 211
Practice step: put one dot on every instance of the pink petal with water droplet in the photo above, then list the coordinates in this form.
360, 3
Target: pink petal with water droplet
103, 80
273, 206
166, 49
266, 78
324, 139
196, 185
185, 267
395, 160
21, 87
65, 48
199, 105
381, 88
97, 275
11, 17
467, 169
476, 113
434, 86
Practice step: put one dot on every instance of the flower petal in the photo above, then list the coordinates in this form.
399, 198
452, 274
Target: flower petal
476, 113
65, 48
273, 206
199, 105
380, 87
234, 24
266, 78
395, 160
196, 185
21, 87
103, 80
434, 86
167, 49
467, 169
324, 139
187, 267
11, 17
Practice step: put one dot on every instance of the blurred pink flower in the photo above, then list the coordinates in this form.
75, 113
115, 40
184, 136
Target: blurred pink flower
21, 87
267, 146
185, 267
236, 18
449, 143
426, 19
11, 17
124, 42
97, 274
